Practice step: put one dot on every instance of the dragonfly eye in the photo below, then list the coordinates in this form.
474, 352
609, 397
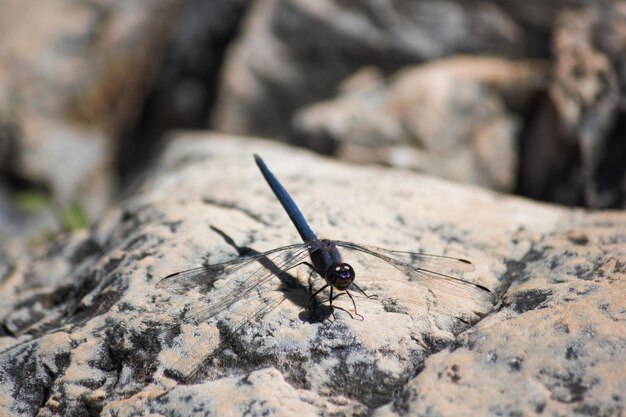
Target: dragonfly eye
340, 275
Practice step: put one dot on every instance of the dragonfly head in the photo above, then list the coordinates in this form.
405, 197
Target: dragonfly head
340, 276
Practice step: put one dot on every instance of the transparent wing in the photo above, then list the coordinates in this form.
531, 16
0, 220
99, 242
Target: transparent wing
434, 282
221, 285
204, 277
190, 361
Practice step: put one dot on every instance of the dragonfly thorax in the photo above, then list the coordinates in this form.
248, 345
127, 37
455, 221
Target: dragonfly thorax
340, 276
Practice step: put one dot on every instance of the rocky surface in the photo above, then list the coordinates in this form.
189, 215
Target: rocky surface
70, 75
579, 127
184, 87
85, 332
555, 347
457, 118
88, 92
283, 79
295, 52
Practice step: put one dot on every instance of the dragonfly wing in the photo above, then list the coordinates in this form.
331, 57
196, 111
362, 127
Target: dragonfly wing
250, 286
420, 279
194, 359
453, 267
222, 285
192, 279
203, 278
440, 273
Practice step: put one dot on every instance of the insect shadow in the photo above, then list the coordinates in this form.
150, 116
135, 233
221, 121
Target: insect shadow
292, 289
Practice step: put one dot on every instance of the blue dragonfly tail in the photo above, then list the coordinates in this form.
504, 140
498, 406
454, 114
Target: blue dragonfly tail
287, 202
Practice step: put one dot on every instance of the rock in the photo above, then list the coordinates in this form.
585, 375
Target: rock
457, 118
86, 70
293, 56
84, 328
66, 88
557, 345
295, 52
579, 130
184, 85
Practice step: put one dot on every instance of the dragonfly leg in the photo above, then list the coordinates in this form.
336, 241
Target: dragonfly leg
362, 292
314, 269
312, 298
344, 309
333, 297
330, 299
310, 266
353, 304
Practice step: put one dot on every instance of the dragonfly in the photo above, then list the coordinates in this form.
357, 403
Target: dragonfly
426, 277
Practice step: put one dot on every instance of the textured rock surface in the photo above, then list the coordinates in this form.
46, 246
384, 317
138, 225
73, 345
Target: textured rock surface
70, 74
293, 55
557, 345
85, 332
295, 52
580, 126
457, 118
185, 83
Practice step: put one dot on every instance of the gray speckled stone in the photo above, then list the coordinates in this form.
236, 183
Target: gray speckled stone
556, 347
84, 330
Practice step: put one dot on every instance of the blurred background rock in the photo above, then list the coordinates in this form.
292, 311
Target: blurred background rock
520, 97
